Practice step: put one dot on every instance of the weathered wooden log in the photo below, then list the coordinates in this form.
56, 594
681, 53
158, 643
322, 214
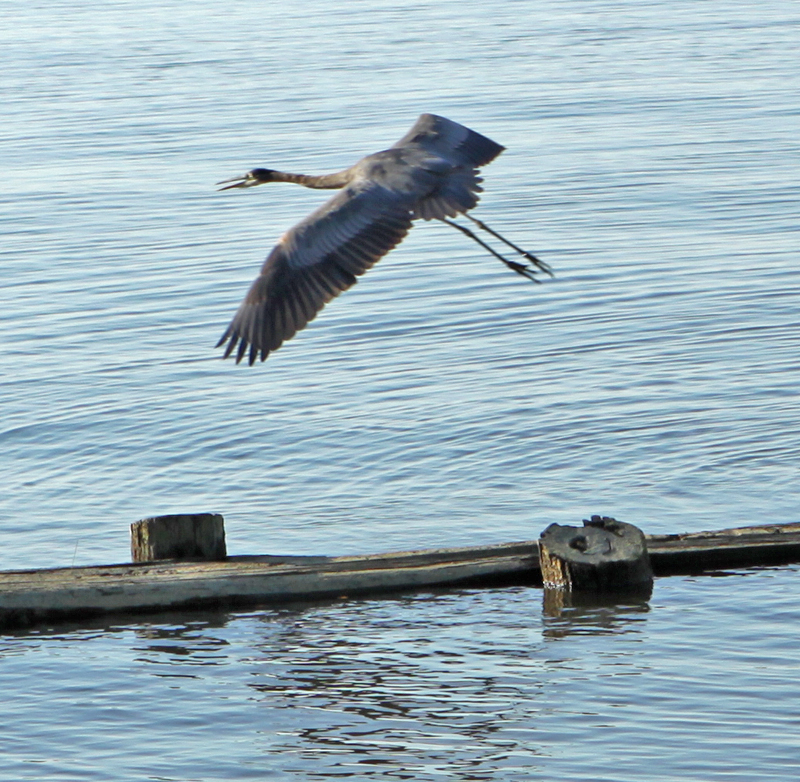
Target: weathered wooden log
185, 536
737, 547
605, 555
30, 597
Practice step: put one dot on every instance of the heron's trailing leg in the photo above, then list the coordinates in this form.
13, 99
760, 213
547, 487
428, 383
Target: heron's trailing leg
524, 253
519, 268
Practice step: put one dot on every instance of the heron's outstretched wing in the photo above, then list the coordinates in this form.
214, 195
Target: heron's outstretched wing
314, 262
451, 141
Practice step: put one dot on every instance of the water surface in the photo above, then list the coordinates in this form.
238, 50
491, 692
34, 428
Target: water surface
652, 160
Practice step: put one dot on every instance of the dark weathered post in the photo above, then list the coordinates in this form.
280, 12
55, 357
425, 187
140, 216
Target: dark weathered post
192, 536
605, 555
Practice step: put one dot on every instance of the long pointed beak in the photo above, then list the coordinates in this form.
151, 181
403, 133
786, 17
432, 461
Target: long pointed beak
245, 180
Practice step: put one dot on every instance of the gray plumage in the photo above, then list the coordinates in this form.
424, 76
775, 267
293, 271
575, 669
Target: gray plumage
431, 173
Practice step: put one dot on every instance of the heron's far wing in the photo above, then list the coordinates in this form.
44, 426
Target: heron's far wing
314, 262
451, 141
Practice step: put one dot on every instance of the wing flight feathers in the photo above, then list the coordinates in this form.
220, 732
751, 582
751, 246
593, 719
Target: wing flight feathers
451, 141
313, 263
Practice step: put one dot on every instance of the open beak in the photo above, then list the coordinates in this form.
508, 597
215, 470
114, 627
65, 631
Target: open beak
246, 180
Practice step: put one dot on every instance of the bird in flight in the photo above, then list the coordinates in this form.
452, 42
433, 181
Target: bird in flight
431, 173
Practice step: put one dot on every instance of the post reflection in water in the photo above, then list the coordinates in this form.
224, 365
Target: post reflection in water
576, 613
193, 643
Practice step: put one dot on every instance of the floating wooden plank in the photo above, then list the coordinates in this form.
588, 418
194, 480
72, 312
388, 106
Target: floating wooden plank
35, 596
698, 552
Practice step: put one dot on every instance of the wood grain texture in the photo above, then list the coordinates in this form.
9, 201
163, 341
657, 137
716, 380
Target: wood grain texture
28, 597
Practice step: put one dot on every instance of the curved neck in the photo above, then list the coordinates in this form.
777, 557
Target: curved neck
321, 182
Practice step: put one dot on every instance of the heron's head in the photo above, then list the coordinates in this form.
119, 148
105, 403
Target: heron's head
258, 176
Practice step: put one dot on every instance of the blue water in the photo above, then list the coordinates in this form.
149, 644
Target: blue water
463, 685
652, 160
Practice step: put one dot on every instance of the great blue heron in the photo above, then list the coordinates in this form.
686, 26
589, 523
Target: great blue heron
431, 173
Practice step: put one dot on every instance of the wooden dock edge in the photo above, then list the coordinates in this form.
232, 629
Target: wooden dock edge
30, 597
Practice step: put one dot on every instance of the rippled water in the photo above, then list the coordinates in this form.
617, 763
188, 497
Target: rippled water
652, 160
465, 685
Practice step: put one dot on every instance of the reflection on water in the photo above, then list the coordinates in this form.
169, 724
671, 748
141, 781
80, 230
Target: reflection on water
474, 684
418, 692
566, 613
191, 644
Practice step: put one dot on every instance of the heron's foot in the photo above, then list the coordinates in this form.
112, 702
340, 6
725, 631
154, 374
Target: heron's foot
539, 264
527, 271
